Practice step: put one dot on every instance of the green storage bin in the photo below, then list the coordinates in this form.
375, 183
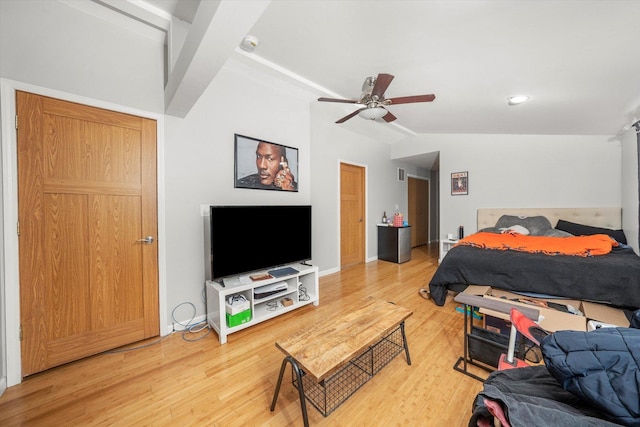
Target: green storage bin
238, 319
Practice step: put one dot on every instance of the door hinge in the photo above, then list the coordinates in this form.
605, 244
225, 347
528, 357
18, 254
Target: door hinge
16, 121
21, 332
18, 228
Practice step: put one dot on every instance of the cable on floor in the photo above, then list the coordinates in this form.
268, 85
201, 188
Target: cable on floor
191, 328
188, 328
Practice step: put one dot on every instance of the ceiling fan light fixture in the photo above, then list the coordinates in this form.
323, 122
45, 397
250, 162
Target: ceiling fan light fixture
373, 113
373, 100
518, 99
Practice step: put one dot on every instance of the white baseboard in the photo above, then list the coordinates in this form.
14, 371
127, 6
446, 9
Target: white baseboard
329, 271
177, 327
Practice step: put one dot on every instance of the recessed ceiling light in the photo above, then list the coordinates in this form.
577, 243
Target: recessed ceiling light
518, 99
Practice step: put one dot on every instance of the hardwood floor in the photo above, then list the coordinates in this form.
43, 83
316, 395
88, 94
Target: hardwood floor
179, 383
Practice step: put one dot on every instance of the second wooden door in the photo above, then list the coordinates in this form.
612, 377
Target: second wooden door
418, 205
352, 218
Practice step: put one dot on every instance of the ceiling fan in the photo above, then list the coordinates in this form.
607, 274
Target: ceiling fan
373, 99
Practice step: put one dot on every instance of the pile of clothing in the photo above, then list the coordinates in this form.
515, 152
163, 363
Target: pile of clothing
589, 379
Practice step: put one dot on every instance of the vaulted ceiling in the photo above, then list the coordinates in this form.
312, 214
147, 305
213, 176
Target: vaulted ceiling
576, 60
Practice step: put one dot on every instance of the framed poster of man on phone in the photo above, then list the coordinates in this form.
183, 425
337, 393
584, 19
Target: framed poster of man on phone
265, 165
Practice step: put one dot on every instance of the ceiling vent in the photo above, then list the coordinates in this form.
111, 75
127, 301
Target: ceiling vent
401, 174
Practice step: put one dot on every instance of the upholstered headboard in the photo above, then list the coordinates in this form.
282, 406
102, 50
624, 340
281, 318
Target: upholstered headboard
597, 217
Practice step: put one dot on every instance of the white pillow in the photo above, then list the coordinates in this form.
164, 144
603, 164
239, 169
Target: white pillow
515, 229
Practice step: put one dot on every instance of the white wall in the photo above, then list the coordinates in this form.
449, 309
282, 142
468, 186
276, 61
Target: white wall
629, 176
199, 169
3, 301
520, 171
49, 44
200, 165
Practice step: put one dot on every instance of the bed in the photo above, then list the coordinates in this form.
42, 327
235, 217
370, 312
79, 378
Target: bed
613, 278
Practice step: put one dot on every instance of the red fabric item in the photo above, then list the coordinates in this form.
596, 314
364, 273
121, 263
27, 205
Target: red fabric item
597, 244
496, 410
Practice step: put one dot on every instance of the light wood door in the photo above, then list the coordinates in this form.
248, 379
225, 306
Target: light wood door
86, 196
418, 204
352, 222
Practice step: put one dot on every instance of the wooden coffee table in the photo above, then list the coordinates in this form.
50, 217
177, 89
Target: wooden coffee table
332, 359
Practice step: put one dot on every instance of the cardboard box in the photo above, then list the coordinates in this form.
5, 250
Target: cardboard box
478, 290
237, 306
495, 324
604, 313
550, 319
238, 319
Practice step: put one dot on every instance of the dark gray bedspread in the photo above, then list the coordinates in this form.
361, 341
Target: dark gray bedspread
613, 278
532, 397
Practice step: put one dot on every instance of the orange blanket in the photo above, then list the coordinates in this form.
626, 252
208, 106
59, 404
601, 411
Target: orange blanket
597, 244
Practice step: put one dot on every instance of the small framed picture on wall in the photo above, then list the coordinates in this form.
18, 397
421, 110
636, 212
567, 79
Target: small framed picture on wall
460, 183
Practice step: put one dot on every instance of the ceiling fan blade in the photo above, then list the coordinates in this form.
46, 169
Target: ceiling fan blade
389, 117
382, 83
347, 117
346, 101
410, 99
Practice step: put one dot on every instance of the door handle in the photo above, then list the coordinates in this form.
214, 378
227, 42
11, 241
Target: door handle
147, 240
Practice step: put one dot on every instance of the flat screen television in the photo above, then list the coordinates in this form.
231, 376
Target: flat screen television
244, 239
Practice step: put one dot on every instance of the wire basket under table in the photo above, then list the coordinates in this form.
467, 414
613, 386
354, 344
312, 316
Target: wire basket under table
329, 394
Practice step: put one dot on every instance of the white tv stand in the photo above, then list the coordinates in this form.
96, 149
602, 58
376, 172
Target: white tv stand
265, 308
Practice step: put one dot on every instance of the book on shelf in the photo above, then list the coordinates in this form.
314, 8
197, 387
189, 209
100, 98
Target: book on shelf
260, 276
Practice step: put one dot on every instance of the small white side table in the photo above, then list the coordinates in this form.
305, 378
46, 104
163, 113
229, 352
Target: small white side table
445, 245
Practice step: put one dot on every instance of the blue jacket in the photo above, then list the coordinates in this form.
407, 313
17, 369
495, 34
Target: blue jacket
602, 367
